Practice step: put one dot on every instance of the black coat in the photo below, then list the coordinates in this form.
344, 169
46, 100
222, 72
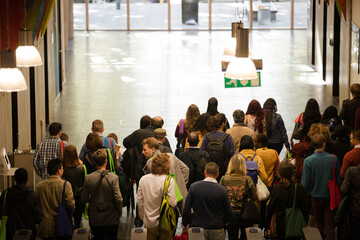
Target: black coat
347, 112
23, 209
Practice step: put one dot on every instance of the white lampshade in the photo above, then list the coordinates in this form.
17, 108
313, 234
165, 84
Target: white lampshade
230, 47
241, 69
27, 56
12, 80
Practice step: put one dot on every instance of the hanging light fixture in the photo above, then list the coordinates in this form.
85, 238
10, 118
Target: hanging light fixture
11, 79
26, 54
241, 67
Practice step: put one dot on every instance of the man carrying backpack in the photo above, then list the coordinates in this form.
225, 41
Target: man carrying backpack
218, 144
195, 159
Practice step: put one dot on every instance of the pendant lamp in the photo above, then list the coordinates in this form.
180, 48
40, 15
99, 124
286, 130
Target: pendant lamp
241, 67
11, 79
26, 54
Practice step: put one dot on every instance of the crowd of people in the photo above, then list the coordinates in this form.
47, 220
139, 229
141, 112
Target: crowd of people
215, 171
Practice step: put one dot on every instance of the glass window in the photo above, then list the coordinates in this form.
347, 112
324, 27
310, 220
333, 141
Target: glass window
189, 14
301, 9
79, 12
271, 14
152, 14
107, 14
223, 13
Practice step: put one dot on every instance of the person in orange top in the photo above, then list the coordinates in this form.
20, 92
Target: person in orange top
269, 156
352, 158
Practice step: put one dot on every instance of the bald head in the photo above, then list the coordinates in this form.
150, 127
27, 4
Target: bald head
193, 139
157, 122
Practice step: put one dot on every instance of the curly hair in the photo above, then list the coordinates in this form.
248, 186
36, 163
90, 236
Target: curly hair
298, 151
319, 128
160, 164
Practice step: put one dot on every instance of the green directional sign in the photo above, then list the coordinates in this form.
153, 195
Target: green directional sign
234, 83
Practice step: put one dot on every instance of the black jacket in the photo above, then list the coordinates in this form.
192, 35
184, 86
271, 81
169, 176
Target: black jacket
347, 112
23, 209
192, 159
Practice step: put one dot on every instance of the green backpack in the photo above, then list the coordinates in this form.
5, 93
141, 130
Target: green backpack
295, 221
167, 213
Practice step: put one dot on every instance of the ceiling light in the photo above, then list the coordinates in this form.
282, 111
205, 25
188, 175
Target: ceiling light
26, 54
11, 79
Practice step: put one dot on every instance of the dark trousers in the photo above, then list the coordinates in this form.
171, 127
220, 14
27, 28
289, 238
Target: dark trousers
105, 232
236, 224
79, 209
324, 217
355, 224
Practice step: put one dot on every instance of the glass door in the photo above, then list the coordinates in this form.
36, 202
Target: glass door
107, 14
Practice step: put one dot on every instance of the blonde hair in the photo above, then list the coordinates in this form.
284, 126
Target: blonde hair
236, 165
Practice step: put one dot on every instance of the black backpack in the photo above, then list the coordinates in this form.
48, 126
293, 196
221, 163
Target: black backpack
199, 166
217, 151
132, 163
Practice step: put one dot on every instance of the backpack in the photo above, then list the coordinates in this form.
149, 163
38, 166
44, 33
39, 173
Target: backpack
132, 163
199, 166
167, 213
217, 151
251, 168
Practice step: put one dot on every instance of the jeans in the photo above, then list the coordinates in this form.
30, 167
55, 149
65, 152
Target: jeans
79, 209
105, 232
324, 217
214, 234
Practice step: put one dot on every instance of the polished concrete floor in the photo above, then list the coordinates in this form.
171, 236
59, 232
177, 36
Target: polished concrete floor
120, 76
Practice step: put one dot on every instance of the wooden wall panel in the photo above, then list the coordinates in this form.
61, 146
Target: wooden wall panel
319, 36
356, 12
51, 65
24, 114
345, 39
5, 122
40, 96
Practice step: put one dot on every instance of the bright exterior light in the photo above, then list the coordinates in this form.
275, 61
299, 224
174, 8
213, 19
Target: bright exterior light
12, 80
241, 69
27, 56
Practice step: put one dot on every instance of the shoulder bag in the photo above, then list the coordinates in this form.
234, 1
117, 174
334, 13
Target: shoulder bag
64, 223
3, 219
335, 196
294, 220
250, 213
167, 219
179, 144
298, 129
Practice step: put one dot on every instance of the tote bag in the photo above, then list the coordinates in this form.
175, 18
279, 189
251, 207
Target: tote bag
3, 220
64, 223
295, 221
250, 213
335, 196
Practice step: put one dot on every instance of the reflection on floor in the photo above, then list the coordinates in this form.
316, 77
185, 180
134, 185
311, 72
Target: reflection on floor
120, 76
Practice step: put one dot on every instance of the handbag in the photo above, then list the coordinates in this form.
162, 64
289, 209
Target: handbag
335, 196
86, 208
298, 130
250, 213
179, 144
167, 219
64, 223
3, 220
262, 191
295, 221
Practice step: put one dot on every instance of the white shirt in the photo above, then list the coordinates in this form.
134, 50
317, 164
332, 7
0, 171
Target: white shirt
357, 146
149, 195
208, 179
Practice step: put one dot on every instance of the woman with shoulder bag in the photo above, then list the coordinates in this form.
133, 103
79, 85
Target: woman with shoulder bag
74, 173
282, 197
240, 188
